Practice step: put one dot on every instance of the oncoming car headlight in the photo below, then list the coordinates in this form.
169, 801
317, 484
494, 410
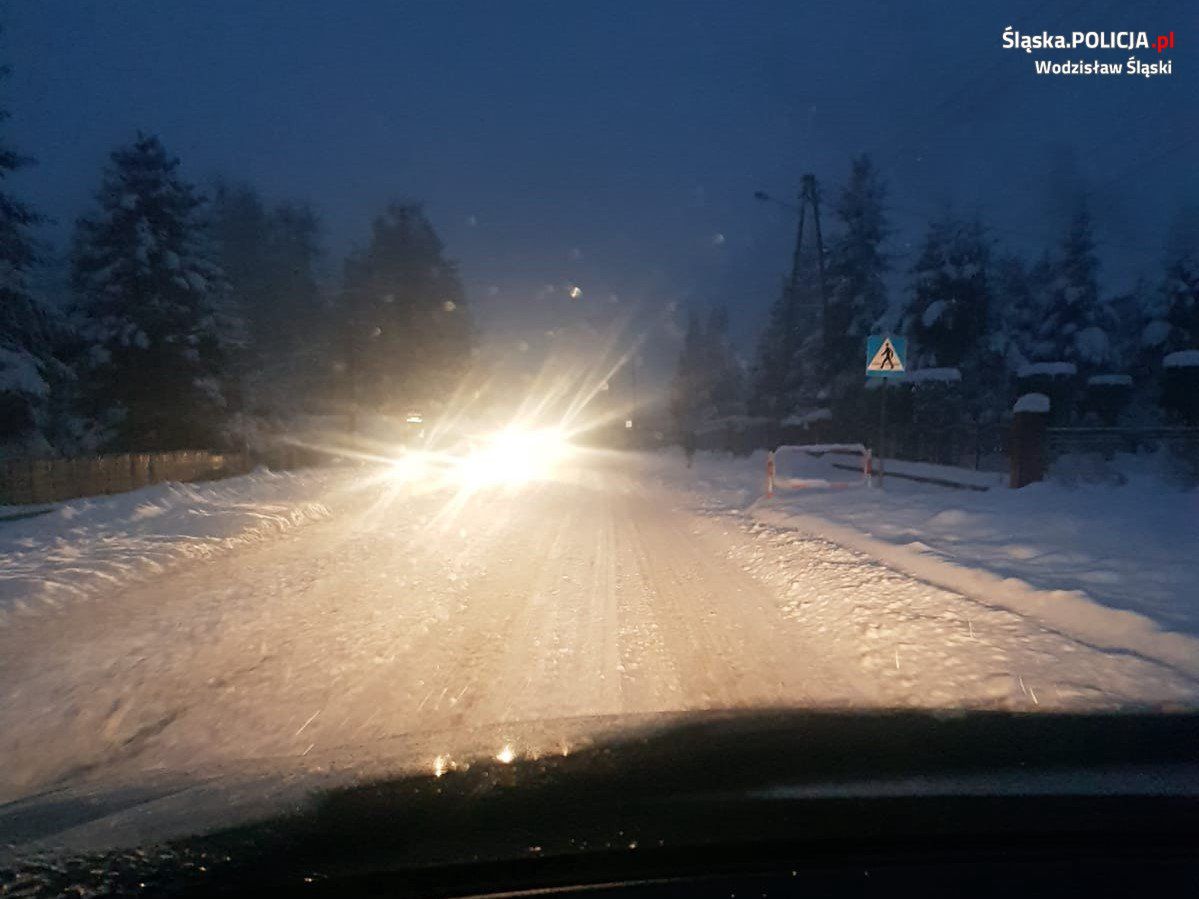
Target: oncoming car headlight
517, 455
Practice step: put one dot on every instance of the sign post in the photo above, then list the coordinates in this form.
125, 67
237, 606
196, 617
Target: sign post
886, 357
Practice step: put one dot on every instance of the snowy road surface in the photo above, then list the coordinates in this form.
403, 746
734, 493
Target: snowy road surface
607, 591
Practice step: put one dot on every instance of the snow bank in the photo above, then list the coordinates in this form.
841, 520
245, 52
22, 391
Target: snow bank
1032, 402
1182, 359
88, 545
1070, 611
1114, 566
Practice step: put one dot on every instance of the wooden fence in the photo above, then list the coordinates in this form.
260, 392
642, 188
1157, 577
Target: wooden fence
33, 481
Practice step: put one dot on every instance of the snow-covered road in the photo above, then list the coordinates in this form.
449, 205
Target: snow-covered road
606, 591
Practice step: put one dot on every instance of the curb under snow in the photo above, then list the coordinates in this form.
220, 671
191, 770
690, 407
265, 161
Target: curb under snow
1071, 612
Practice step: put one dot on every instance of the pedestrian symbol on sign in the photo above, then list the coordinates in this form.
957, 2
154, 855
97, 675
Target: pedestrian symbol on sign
885, 356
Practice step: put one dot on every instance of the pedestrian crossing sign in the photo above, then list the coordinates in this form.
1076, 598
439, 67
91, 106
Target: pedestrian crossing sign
886, 357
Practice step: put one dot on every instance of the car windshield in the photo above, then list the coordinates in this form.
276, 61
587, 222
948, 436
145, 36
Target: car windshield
390, 385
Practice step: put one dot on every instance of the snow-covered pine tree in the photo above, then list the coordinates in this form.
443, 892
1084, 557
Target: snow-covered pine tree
409, 335
1012, 312
238, 228
721, 369
154, 308
1132, 311
26, 364
947, 311
294, 250
771, 364
1036, 344
1174, 328
1076, 326
269, 259
690, 400
786, 370
946, 319
1180, 303
857, 292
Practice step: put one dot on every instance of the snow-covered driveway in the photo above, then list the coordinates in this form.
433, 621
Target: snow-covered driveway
606, 591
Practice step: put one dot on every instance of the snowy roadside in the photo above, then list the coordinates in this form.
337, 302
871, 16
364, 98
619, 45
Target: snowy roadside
87, 545
1113, 566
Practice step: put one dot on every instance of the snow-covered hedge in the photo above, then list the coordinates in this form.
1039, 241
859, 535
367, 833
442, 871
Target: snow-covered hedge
925, 375
1052, 369
1032, 402
1182, 359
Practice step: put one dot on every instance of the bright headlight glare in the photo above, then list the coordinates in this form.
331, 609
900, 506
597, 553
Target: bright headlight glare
517, 455
411, 466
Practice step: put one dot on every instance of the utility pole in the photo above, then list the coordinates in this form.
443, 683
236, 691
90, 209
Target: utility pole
809, 196
793, 281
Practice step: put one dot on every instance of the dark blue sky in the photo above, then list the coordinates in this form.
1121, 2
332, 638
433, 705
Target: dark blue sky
612, 145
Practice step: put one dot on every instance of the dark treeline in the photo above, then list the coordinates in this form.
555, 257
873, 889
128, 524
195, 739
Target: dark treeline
983, 326
196, 319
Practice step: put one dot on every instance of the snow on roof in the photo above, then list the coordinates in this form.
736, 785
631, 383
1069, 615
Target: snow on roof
808, 418
1109, 381
1032, 402
933, 374
1053, 369
1182, 359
